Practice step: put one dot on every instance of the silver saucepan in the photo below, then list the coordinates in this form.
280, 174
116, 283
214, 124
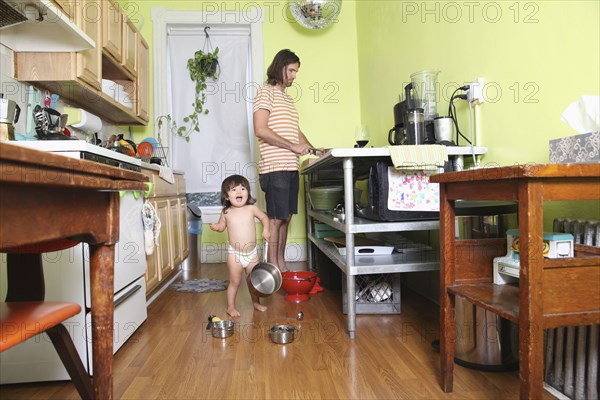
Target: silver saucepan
265, 278
282, 334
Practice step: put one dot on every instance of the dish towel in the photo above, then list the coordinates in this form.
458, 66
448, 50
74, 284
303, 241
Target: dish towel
166, 173
418, 157
152, 226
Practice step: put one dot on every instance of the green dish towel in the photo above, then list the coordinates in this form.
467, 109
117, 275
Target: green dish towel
418, 157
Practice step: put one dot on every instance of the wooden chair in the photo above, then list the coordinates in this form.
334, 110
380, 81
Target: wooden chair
26, 314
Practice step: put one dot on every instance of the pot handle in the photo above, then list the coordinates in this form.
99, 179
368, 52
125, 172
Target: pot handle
265, 251
17, 113
391, 140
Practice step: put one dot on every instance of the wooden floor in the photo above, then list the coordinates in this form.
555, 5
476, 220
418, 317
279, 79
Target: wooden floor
173, 356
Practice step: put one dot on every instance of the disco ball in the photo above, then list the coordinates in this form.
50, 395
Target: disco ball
315, 14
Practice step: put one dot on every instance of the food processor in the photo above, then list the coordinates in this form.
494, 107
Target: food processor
420, 94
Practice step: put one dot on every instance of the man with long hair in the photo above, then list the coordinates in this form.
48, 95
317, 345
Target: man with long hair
281, 142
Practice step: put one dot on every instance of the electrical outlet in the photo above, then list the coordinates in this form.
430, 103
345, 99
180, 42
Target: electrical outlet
475, 92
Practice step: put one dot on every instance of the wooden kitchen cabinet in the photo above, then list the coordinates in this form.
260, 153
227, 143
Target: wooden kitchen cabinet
143, 81
89, 62
171, 207
112, 30
165, 248
77, 76
179, 224
129, 47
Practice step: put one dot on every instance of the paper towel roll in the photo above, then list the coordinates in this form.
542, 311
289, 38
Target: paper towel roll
83, 120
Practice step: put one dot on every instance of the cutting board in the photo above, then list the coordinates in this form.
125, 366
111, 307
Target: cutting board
362, 246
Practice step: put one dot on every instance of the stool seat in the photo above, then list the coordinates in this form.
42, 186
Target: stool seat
20, 321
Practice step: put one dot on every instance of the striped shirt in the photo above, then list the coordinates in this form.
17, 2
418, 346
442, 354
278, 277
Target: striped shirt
283, 120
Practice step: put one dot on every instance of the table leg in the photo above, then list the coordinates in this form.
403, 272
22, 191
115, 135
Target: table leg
447, 266
348, 166
531, 331
350, 300
102, 294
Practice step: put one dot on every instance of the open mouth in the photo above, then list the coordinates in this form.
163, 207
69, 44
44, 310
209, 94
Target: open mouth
239, 198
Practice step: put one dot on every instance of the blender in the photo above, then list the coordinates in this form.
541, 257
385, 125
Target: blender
424, 84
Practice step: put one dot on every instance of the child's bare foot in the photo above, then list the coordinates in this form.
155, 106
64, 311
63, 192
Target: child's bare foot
232, 312
259, 307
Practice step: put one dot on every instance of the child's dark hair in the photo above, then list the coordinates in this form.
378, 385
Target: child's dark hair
231, 182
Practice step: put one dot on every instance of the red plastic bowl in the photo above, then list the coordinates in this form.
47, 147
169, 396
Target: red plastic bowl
297, 284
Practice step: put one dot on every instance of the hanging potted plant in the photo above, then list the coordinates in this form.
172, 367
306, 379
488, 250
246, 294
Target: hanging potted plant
204, 65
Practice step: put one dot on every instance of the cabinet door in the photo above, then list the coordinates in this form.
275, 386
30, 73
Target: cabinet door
165, 250
129, 53
112, 34
176, 223
152, 270
142, 79
89, 62
185, 245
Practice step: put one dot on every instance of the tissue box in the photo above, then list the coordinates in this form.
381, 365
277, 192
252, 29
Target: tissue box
578, 149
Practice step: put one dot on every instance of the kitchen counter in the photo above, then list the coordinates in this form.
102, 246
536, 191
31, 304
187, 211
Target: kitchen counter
368, 154
68, 147
348, 165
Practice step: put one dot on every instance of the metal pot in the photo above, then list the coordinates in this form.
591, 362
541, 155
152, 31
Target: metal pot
265, 279
221, 329
282, 334
9, 115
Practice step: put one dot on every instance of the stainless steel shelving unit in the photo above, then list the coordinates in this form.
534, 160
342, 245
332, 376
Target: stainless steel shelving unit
355, 163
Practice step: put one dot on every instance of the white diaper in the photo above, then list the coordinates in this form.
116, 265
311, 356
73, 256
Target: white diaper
244, 258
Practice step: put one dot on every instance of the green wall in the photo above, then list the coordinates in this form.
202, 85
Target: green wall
536, 58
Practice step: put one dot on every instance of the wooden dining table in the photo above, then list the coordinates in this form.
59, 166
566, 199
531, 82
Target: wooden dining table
47, 198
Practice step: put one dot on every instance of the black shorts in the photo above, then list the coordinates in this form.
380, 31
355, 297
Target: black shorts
281, 193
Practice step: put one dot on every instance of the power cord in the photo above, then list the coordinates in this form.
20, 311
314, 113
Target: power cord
452, 112
472, 119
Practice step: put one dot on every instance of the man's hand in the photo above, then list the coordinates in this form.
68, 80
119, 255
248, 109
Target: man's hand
301, 148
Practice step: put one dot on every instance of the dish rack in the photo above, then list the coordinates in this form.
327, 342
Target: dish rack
375, 294
160, 153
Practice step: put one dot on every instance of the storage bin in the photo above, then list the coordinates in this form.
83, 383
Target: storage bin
375, 294
324, 230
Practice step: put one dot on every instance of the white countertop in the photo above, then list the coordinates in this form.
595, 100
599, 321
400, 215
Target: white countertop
384, 151
337, 154
71, 147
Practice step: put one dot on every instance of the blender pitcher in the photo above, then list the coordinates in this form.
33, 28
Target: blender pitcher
425, 88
